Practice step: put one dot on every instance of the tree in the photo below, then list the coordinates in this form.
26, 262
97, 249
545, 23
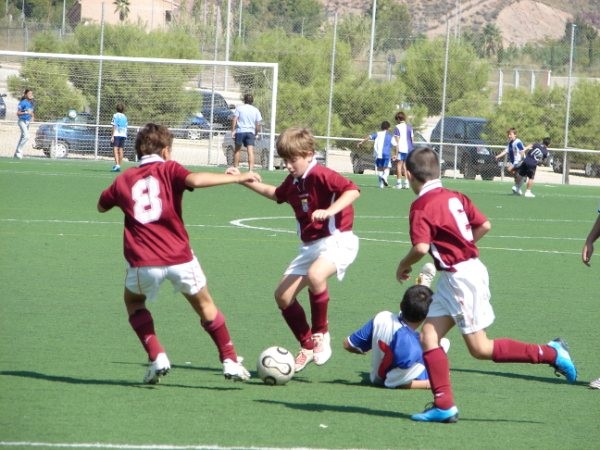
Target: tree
422, 70
303, 17
394, 27
73, 84
122, 7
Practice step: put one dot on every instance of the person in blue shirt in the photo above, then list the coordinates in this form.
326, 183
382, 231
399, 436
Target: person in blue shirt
246, 125
24, 118
118, 136
393, 339
515, 151
382, 151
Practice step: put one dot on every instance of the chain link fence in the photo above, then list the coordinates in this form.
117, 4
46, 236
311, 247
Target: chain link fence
457, 102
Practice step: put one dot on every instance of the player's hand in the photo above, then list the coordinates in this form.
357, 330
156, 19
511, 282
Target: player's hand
403, 273
250, 177
320, 215
586, 254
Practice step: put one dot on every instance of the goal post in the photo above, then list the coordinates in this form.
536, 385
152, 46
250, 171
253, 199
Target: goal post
194, 98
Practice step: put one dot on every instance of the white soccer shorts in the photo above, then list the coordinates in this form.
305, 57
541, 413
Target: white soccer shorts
465, 296
340, 248
187, 278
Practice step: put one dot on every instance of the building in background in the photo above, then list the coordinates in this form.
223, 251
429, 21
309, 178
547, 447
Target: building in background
153, 13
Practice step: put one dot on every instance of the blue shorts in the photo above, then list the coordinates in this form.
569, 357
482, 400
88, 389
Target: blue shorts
403, 156
119, 141
382, 162
244, 139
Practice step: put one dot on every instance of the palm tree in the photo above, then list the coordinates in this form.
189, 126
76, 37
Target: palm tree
491, 40
122, 7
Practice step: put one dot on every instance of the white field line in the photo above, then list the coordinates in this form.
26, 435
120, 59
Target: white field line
139, 446
250, 223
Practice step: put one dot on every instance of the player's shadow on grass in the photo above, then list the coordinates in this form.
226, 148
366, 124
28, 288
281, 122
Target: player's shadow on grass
338, 408
541, 379
109, 382
377, 412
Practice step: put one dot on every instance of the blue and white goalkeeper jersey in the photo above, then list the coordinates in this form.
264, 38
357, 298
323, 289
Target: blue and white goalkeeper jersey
397, 357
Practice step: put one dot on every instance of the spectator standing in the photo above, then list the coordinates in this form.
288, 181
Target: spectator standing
119, 135
586, 256
535, 154
322, 202
246, 125
382, 149
447, 225
25, 116
403, 135
157, 247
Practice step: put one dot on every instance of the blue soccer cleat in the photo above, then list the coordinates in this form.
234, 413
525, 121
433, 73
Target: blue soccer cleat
563, 364
433, 414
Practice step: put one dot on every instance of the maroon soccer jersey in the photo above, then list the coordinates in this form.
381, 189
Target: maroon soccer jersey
150, 196
317, 189
445, 219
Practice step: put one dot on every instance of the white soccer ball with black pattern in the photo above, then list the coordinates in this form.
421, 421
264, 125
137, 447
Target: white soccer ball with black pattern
275, 366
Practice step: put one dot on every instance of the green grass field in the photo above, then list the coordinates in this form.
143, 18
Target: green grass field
71, 368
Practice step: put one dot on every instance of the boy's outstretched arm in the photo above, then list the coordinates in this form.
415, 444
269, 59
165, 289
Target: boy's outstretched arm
209, 179
266, 190
413, 256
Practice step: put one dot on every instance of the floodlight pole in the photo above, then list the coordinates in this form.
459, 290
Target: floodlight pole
373, 15
565, 179
331, 82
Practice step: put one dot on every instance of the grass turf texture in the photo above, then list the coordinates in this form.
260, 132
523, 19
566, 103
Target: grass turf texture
70, 366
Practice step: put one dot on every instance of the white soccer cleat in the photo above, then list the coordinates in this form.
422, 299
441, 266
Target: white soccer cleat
516, 190
445, 344
529, 194
302, 359
595, 384
427, 274
157, 368
322, 351
234, 370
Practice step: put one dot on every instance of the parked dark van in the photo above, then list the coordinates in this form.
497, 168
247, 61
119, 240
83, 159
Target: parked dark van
463, 137
215, 106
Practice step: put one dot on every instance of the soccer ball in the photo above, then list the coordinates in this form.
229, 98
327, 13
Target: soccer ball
275, 366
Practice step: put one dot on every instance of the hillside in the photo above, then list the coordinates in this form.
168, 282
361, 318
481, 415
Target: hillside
519, 21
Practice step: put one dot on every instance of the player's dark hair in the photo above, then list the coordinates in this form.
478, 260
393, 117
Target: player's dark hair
25, 92
120, 107
151, 139
415, 303
385, 125
423, 164
294, 142
248, 98
546, 141
400, 116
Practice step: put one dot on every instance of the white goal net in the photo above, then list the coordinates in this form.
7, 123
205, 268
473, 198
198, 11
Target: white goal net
77, 95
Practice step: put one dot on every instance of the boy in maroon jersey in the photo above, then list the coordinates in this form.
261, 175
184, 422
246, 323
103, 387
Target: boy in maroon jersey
322, 202
157, 247
447, 225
